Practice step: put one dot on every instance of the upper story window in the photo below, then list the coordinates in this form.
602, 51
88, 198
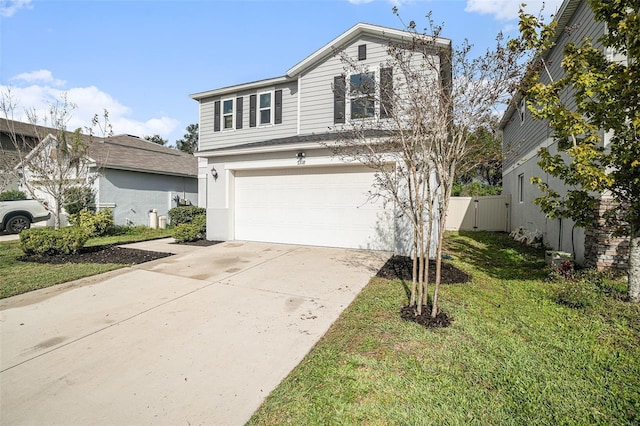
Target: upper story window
366, 96
227, 114
362, 92
522, 109
265, 108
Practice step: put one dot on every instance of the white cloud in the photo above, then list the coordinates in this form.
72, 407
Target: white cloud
42, 76
506, 10
9, 7
88, 101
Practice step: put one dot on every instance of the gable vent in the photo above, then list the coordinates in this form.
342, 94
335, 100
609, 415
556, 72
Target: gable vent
362, 52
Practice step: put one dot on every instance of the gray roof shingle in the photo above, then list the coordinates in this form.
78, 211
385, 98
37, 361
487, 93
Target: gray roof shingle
123, 152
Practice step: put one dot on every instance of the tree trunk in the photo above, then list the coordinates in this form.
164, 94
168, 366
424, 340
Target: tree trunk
436, 286
414, 275
634, 267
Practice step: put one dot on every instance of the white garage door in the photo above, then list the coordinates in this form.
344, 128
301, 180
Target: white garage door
323, 206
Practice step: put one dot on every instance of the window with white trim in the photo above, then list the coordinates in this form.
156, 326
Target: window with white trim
362, 91
227, 114
265, 105
522, 108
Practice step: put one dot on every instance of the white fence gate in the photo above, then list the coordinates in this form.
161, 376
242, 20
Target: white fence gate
490, 213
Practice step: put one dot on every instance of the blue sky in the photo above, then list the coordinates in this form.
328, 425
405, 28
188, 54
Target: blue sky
142, 59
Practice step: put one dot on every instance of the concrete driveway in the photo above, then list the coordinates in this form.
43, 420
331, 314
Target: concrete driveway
201, 337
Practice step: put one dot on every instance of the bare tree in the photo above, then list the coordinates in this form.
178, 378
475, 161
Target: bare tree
50, 159
388, 130
422, 122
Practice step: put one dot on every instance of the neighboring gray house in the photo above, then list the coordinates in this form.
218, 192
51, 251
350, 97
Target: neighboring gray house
265, 172
523, 136
133, 174
137, 175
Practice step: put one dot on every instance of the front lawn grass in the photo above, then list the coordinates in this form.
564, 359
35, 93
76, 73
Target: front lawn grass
512, 356
18, 277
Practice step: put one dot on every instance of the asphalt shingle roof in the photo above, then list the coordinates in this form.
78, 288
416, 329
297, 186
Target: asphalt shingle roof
124, 152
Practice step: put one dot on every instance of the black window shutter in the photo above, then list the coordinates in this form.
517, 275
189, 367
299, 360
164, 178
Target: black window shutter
386, 92
239, 112
278, 106
216, 116
339, 84
362, 52
252, 110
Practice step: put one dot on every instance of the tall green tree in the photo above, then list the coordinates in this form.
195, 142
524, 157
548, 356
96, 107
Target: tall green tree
157, 139
605, 102
189, 142
483, 163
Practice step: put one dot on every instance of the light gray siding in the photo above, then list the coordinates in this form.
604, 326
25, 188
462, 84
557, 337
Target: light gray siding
521, 138
308, 98
316, 97
209, 139
131, 195
557, 234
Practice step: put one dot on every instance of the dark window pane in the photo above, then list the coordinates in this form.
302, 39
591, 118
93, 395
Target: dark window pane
265, 116
362, 84
265, 100
227, 107
362, 108
228, 121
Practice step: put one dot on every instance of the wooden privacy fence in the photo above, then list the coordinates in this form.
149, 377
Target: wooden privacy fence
490, 213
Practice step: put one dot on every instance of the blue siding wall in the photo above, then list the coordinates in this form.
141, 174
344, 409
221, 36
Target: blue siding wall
132, 195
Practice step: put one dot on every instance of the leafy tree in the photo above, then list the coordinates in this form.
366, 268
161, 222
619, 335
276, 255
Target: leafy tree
483, 163
157, 139
78, 198
605, 103
189, 142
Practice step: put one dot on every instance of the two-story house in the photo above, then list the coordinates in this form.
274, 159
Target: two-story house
523, 136
266, 173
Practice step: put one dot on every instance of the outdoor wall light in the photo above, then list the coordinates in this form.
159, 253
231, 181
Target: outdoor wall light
300, 156
214, 173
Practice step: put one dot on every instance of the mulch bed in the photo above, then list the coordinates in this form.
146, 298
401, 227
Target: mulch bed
401, 268
100, 254
110, 254
408, 313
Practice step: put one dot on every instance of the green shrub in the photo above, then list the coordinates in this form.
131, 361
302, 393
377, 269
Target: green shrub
178, 215
76, 199
95, 224
474, 189
49, 241
194, 231
12, 195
